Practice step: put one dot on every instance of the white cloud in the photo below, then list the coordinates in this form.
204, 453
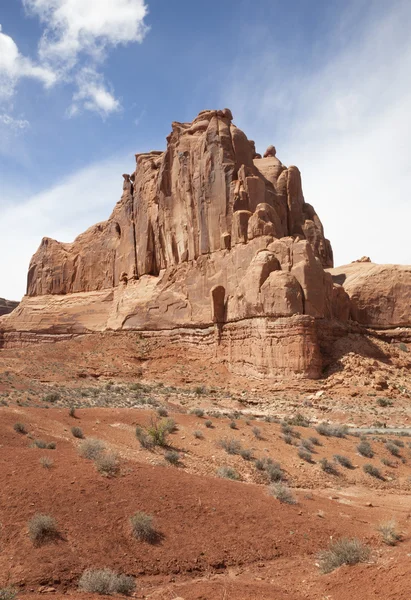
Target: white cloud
61, 212
17, 124
76, 26
347, 125
14, 66
92, 94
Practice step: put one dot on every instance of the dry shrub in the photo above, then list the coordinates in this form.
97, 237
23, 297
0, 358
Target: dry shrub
46, 462
282, 493
228, 473
329, 430
91, 448
106, 582
231, 446
7, 593
107, 464
20, 428
364, 448
389, 533
345, 551
42, 528
77, 432
143, 528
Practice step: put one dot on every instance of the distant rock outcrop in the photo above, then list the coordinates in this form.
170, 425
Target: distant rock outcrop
209, 243
6, 306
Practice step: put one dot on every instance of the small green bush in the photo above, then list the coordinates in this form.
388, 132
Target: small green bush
228, 473
282, 493
208, 423
77, 433
145, 440
343, 552
42, 528
106, 582
383, 402
143, 528
364, 448
7, 593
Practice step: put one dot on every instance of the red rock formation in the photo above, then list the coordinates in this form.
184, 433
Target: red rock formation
210, 244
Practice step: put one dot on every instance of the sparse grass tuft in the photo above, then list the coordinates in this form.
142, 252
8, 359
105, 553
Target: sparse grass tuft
389, 533
364, 448
257, 433
393, 449
314, 440
42, 528
228, 473
282, 492
72, 412
246, 453
20, 428
106, 582
91, 448
162, 411
145, 440
343, 552
305, 454
77, 432
142, 526
307, 444
287, 438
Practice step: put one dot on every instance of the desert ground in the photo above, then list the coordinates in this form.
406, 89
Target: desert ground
220, 530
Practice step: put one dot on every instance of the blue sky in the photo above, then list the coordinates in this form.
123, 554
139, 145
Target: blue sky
85, 84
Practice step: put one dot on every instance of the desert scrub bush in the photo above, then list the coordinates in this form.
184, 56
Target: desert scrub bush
389, 533
77, 432
328, 430
387, 462
393, 449
7, 593
91, 448
364, 448
373, 471
51, 446
143, 528
314, 440
345, 551
233, 425
246, 453
198, 435
287, 438
344, 461
208, 423
107, 464
282, 492
172, 457
106, 582
42, 528
162, 411
228, 473
307, 444
72, 412
198, 412
383, 402
288, 430
298, 420
328, 467
305, 454
257, 433
200, 390
159, 431
398, 443
20, 428
39, 444
231, 446
46, 462
272, 469
51, 397
145, 440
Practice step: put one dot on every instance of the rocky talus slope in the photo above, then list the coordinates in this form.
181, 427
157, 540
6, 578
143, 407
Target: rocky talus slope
212, 244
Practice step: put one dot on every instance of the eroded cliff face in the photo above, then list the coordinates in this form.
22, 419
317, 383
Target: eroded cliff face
206, 193
210, 244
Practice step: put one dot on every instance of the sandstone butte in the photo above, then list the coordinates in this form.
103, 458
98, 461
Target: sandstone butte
212, 245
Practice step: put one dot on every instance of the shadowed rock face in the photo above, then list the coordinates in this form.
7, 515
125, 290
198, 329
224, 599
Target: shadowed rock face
6, 306
206, 193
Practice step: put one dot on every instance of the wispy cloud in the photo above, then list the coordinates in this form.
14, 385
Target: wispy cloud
346, 123
61, 212
93, 95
